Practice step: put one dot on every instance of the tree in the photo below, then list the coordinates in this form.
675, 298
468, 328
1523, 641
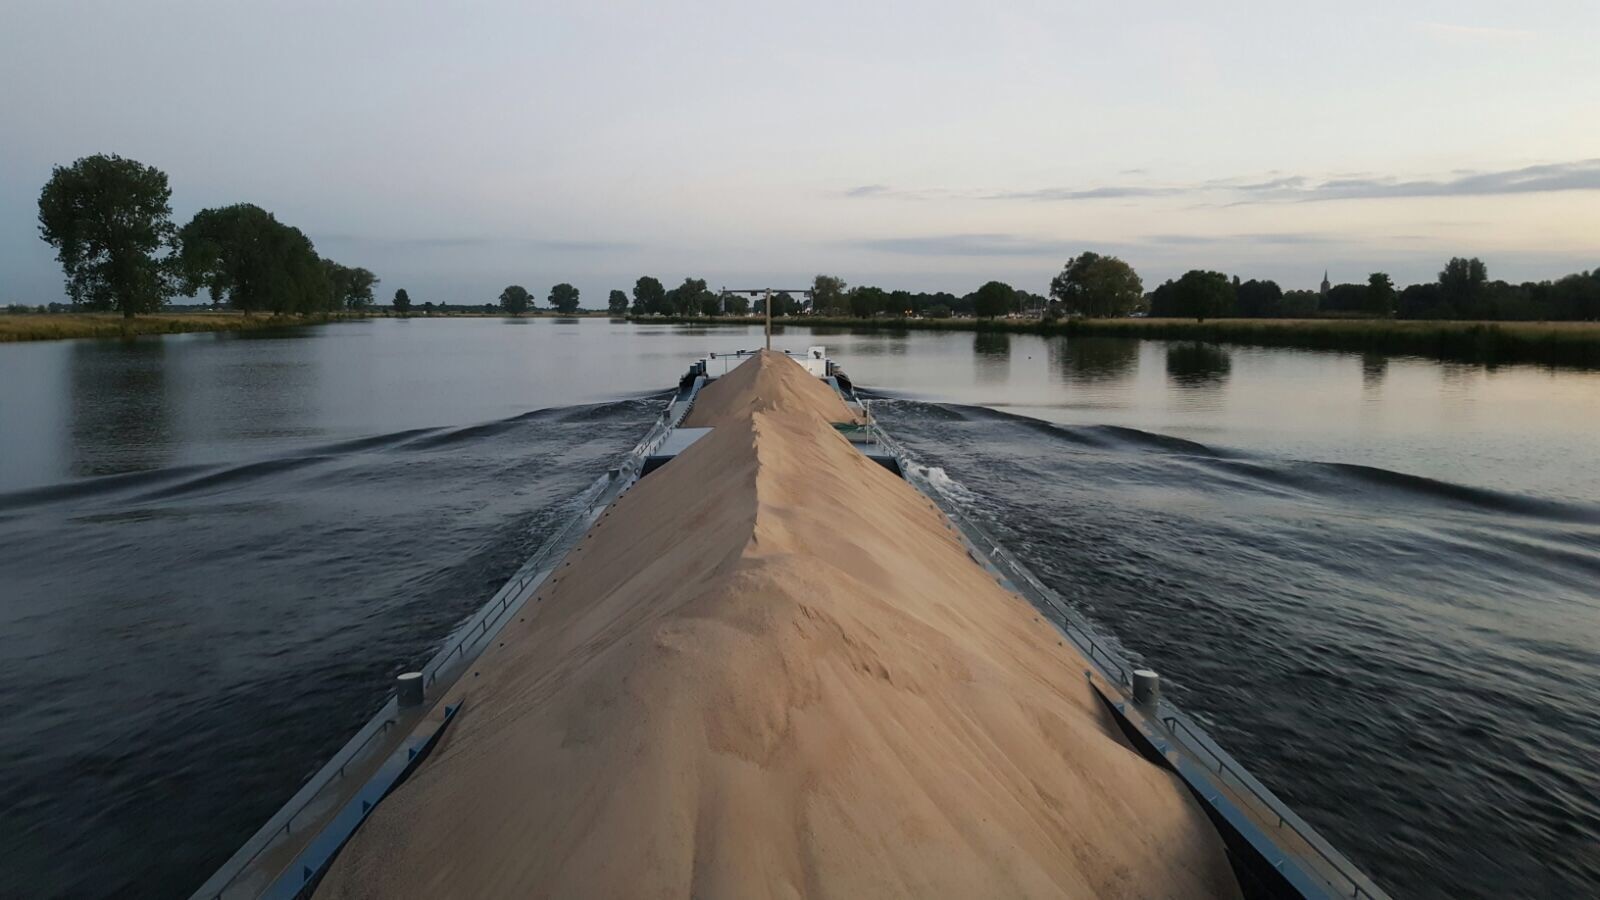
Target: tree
648, 296
1301, 304
1380, 295
1461, 283
1203, 295
564, 297
1097, 286
515, 299
866, 302
937, 311
107, 217
1259, 299
351, 287
686, 299
737, 304
617, 303
1346, 298
993, 299
827, 295
402, 302
358, 289
782, 305
243, 253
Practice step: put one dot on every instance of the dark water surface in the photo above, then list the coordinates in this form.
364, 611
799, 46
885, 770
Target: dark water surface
1374, 578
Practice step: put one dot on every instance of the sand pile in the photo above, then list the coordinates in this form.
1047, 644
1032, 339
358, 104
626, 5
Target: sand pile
772, 671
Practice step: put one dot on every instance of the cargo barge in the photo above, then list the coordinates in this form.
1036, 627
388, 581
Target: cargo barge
1269, 851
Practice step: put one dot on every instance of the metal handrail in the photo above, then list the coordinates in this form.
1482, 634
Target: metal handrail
1179, 727
1101, 652
474, 630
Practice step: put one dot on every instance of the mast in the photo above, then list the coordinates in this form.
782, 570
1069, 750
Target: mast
769, 318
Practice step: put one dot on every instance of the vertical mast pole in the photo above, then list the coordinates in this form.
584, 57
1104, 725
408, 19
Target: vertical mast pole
769, 318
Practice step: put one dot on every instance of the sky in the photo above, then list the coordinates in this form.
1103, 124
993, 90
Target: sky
457, 148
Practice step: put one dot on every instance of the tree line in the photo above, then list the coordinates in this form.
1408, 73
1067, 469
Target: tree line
110, 221
1096, 286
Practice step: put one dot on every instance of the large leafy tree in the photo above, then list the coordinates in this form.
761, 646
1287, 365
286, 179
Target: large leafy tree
649, 297
352, 287
993, 299
687, 299
108, 217
1380, 298
1097, 286
515, 299
1203, 295
564, 297
244, 254
866, 302
1259, 299
1462, 281
828, 294
617, 303
402, 301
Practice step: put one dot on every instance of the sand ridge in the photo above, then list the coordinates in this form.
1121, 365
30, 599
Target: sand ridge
771, 670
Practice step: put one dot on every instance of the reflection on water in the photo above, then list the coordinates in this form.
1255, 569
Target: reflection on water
1197, 365
1374, 367
991, 354
121, 420
1093, 360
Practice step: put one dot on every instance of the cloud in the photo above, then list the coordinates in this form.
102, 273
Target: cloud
1288, 238
1582, 175
1578, 175
1099, 193
968, 245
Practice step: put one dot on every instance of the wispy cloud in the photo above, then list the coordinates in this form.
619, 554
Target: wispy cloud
1289, 238
1025, 245
1096, 193
968, 245
1582, 175
1578, 175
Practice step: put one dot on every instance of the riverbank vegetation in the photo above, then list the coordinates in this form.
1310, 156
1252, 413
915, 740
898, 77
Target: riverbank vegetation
110, 222
67, 325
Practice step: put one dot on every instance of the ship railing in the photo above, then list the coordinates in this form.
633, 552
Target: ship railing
1196, 741
322, 789
1106, 654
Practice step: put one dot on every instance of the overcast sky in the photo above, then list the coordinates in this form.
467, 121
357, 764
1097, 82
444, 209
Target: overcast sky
454, 148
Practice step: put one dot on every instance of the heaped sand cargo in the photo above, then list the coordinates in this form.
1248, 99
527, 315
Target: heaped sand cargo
774, 667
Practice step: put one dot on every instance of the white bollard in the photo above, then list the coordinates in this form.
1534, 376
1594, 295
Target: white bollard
408, 689
1146, 687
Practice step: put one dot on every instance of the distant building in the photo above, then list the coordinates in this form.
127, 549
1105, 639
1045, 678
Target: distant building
1325, 284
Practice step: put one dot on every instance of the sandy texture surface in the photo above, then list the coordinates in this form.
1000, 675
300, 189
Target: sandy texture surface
771, 670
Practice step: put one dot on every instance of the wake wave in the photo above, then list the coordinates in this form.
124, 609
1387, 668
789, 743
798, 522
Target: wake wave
1310, 478
183, 480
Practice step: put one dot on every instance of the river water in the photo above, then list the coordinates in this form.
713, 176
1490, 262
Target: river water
1374, 578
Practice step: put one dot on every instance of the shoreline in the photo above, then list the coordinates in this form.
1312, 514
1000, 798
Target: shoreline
1566, 344
18, 328
24, 327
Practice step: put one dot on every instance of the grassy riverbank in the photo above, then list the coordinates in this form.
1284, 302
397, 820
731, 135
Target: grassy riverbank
1547, 343
61, 326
